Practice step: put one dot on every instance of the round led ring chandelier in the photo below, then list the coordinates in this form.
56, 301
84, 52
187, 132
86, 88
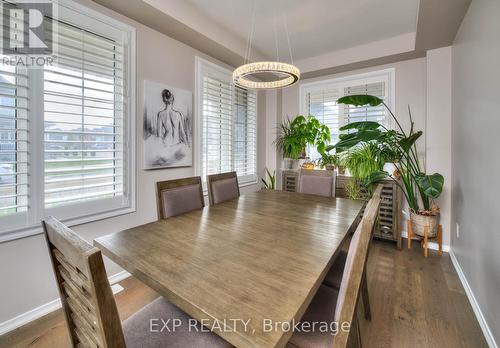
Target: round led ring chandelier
241, 75
279, 74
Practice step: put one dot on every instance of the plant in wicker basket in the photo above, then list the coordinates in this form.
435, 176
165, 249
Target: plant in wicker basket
399, 148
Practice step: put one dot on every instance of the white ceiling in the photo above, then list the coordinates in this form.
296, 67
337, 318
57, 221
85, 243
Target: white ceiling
315, 27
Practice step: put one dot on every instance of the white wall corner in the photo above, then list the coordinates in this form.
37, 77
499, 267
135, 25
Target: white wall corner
488, 335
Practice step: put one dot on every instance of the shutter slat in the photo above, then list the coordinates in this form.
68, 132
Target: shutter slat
84, 100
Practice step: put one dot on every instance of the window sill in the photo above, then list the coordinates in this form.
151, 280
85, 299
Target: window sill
37, 229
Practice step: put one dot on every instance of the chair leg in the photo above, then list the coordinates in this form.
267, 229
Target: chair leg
426, 240
440, 239
366, 298
410, 233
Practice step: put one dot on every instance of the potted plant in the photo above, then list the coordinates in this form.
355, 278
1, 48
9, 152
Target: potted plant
399, 148
294, 136
271, 183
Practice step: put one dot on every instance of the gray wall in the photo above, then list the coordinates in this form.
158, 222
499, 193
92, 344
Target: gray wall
476, 156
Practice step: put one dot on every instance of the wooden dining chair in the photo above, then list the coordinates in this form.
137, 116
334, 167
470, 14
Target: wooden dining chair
179, 196
334, 276
317, 182
222, 187
339, 306
89, 306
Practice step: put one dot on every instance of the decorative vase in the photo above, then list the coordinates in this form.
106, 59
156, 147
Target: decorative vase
341, 170
330, 167
418, 223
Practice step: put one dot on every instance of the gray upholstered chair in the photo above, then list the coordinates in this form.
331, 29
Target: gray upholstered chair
90, 308
175, 197
222, 187
331, 305
317, 182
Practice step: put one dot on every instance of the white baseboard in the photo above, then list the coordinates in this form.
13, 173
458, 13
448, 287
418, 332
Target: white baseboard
475, 306
45, 309
432, 245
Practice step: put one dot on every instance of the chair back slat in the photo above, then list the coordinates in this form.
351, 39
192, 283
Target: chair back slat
86, 296
354, 268
317, 182
222, 187
179, 196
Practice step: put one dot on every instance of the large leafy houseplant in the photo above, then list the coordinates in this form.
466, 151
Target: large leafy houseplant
294, 136
362, 161
399, 148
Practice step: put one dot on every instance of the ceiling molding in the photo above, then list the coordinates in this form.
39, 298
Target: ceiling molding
364, 64
151, 17
437, 24
387, 47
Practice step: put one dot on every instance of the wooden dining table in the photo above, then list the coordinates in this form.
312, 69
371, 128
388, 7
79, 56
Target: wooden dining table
244, 268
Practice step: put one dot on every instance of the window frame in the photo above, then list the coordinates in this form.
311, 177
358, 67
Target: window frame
385, 75
204, 67
14, 227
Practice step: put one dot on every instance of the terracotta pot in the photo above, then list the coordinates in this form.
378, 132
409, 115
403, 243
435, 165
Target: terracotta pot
418, 222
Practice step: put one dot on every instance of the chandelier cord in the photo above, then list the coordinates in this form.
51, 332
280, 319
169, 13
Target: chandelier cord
288, 37
276, 35
250, 35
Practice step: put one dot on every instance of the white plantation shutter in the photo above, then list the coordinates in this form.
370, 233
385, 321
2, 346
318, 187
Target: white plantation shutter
366, 113
13, 140
320, 100
323, 105
84, 105
245, 136
229, 127
66, 135
217, 126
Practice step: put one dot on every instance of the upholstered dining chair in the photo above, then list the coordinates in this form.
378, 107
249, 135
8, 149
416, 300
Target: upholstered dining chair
334, 276
222, 187
90, 309
340, 305
317, 182
179, 196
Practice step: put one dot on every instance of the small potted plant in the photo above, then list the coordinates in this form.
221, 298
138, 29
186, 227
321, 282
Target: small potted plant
294, 136
328, 160
269, 183
399, 148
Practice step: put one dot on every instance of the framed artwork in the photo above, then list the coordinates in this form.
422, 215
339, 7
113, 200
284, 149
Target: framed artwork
168, 126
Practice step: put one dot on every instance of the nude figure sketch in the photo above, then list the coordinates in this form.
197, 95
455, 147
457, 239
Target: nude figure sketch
167, 127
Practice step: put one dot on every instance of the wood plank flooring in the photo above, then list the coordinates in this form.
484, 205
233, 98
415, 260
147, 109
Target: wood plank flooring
416, 302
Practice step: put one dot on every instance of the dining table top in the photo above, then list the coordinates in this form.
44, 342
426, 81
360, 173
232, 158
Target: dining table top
243, 268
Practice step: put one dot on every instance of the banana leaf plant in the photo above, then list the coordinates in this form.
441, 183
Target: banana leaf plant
399, 148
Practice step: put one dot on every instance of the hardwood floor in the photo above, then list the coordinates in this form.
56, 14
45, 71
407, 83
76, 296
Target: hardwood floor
416, 302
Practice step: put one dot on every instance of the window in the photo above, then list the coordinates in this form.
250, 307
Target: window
83, 119
66, 130
13, 140
228, 124
320, 100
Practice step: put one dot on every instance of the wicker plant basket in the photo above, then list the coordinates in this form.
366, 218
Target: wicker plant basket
418, 222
